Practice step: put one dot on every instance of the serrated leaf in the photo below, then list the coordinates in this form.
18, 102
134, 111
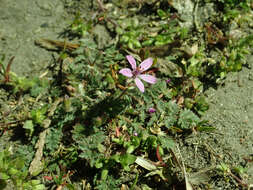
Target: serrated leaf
89, 146
53, 139
166, 142
188, 119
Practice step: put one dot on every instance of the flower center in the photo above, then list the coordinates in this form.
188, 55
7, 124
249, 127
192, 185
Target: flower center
137, 72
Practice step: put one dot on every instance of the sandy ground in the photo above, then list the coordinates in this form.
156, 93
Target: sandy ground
21, 22
231, 113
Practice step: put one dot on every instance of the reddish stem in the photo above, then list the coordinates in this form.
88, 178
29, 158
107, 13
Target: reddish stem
159, 156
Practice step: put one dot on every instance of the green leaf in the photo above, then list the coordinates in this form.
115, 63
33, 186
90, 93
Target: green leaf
130, 149
53, 139
104, 174
101, 148
194, 69
40, 85
136, 43
187, 119
2, 155
172, 110
4, 176
99, 163
151, 141
148, 42
161, 13
42, 187
124, 39
125, 160
38, 115
135, 141
166, 142
89, 146
29, 126
201, 105
13, 171
18, 162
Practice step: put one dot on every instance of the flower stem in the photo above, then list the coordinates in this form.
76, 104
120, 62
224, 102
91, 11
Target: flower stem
124, 91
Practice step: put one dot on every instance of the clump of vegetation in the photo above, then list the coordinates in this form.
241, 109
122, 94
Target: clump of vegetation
95, 125
13, 168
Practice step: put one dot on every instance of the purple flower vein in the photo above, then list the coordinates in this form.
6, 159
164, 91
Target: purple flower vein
136, 72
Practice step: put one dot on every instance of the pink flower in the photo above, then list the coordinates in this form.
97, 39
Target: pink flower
135, 133
136, 72
151, 110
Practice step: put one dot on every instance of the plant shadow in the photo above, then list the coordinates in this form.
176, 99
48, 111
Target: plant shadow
104, 111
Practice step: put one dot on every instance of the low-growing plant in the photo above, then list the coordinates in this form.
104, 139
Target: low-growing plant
116, 112
13, 168
80, 26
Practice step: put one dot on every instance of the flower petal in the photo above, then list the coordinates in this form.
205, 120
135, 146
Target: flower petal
132, 61
139, 84
126, 72
148, 78
146, 64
